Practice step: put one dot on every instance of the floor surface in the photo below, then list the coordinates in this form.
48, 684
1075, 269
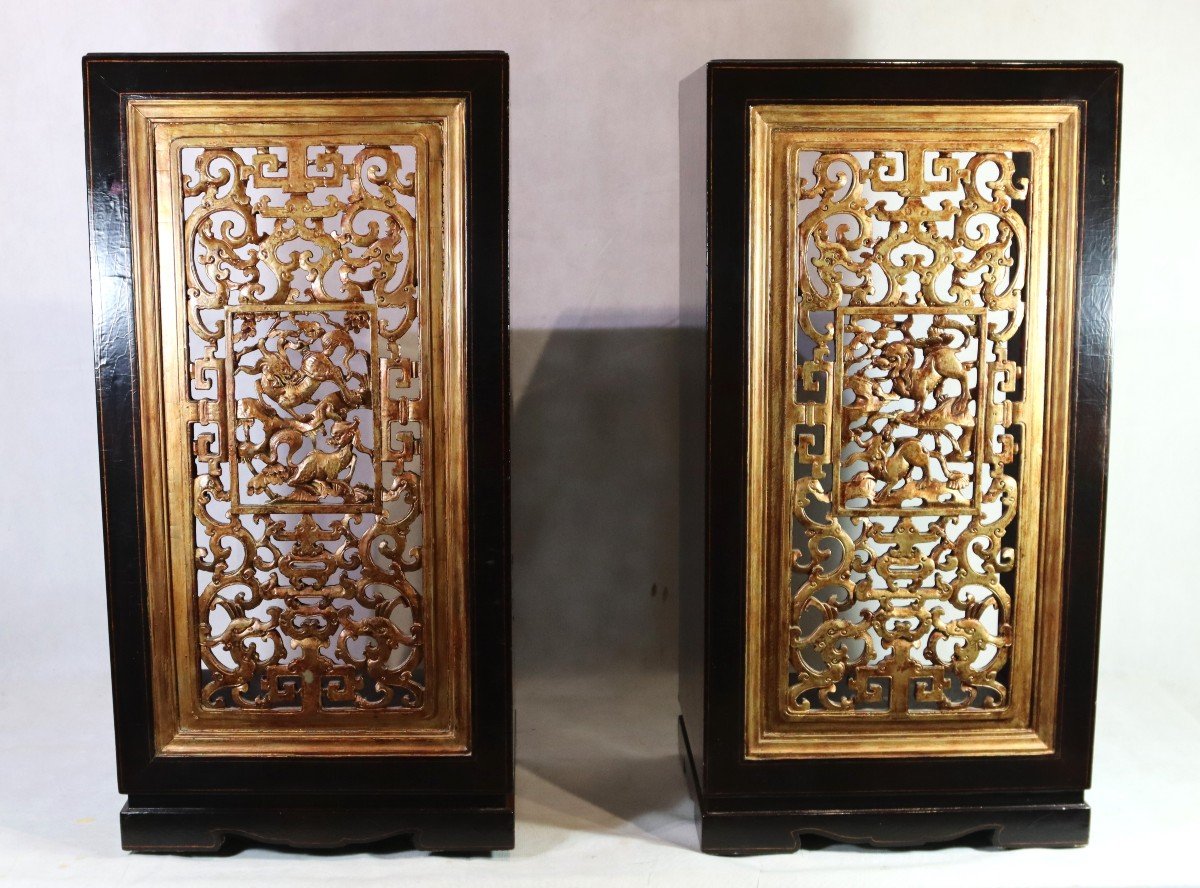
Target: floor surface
601, 801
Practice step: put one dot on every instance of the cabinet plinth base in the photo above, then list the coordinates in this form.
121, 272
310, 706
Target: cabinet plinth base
204, 829
774, 824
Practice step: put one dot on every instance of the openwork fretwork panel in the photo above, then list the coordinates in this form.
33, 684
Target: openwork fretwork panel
303, 305
910, 285
904, 394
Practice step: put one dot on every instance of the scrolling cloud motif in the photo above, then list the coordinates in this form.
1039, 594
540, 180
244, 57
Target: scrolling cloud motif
909, 270
302, 265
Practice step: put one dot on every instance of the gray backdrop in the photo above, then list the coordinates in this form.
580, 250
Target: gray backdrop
596, 222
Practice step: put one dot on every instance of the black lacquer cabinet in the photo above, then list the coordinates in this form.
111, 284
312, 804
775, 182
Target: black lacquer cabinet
894, 478
300, 302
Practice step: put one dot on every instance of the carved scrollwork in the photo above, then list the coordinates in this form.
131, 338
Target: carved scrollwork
301, 274
909, 275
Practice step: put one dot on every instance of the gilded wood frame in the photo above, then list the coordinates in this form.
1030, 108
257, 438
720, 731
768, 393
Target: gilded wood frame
1026, 725
157, 130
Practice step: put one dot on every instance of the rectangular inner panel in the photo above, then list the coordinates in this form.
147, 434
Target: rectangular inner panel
303, 407
908, 375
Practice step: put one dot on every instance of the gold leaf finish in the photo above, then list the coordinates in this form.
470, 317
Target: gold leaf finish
908, 374
303, 408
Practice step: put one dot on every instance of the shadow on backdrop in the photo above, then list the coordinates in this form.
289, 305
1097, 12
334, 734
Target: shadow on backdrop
594, 501
594, 517
596, 554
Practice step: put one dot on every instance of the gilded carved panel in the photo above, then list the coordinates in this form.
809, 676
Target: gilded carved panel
310, 352
917, 257
302, 295
906, 376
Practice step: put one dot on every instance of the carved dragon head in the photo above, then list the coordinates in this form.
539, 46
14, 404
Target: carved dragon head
343, 432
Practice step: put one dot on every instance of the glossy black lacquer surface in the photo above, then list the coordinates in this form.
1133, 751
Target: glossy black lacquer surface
190, 803
790, 797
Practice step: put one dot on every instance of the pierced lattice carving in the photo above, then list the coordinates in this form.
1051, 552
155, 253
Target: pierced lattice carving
302, 296
908, 274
